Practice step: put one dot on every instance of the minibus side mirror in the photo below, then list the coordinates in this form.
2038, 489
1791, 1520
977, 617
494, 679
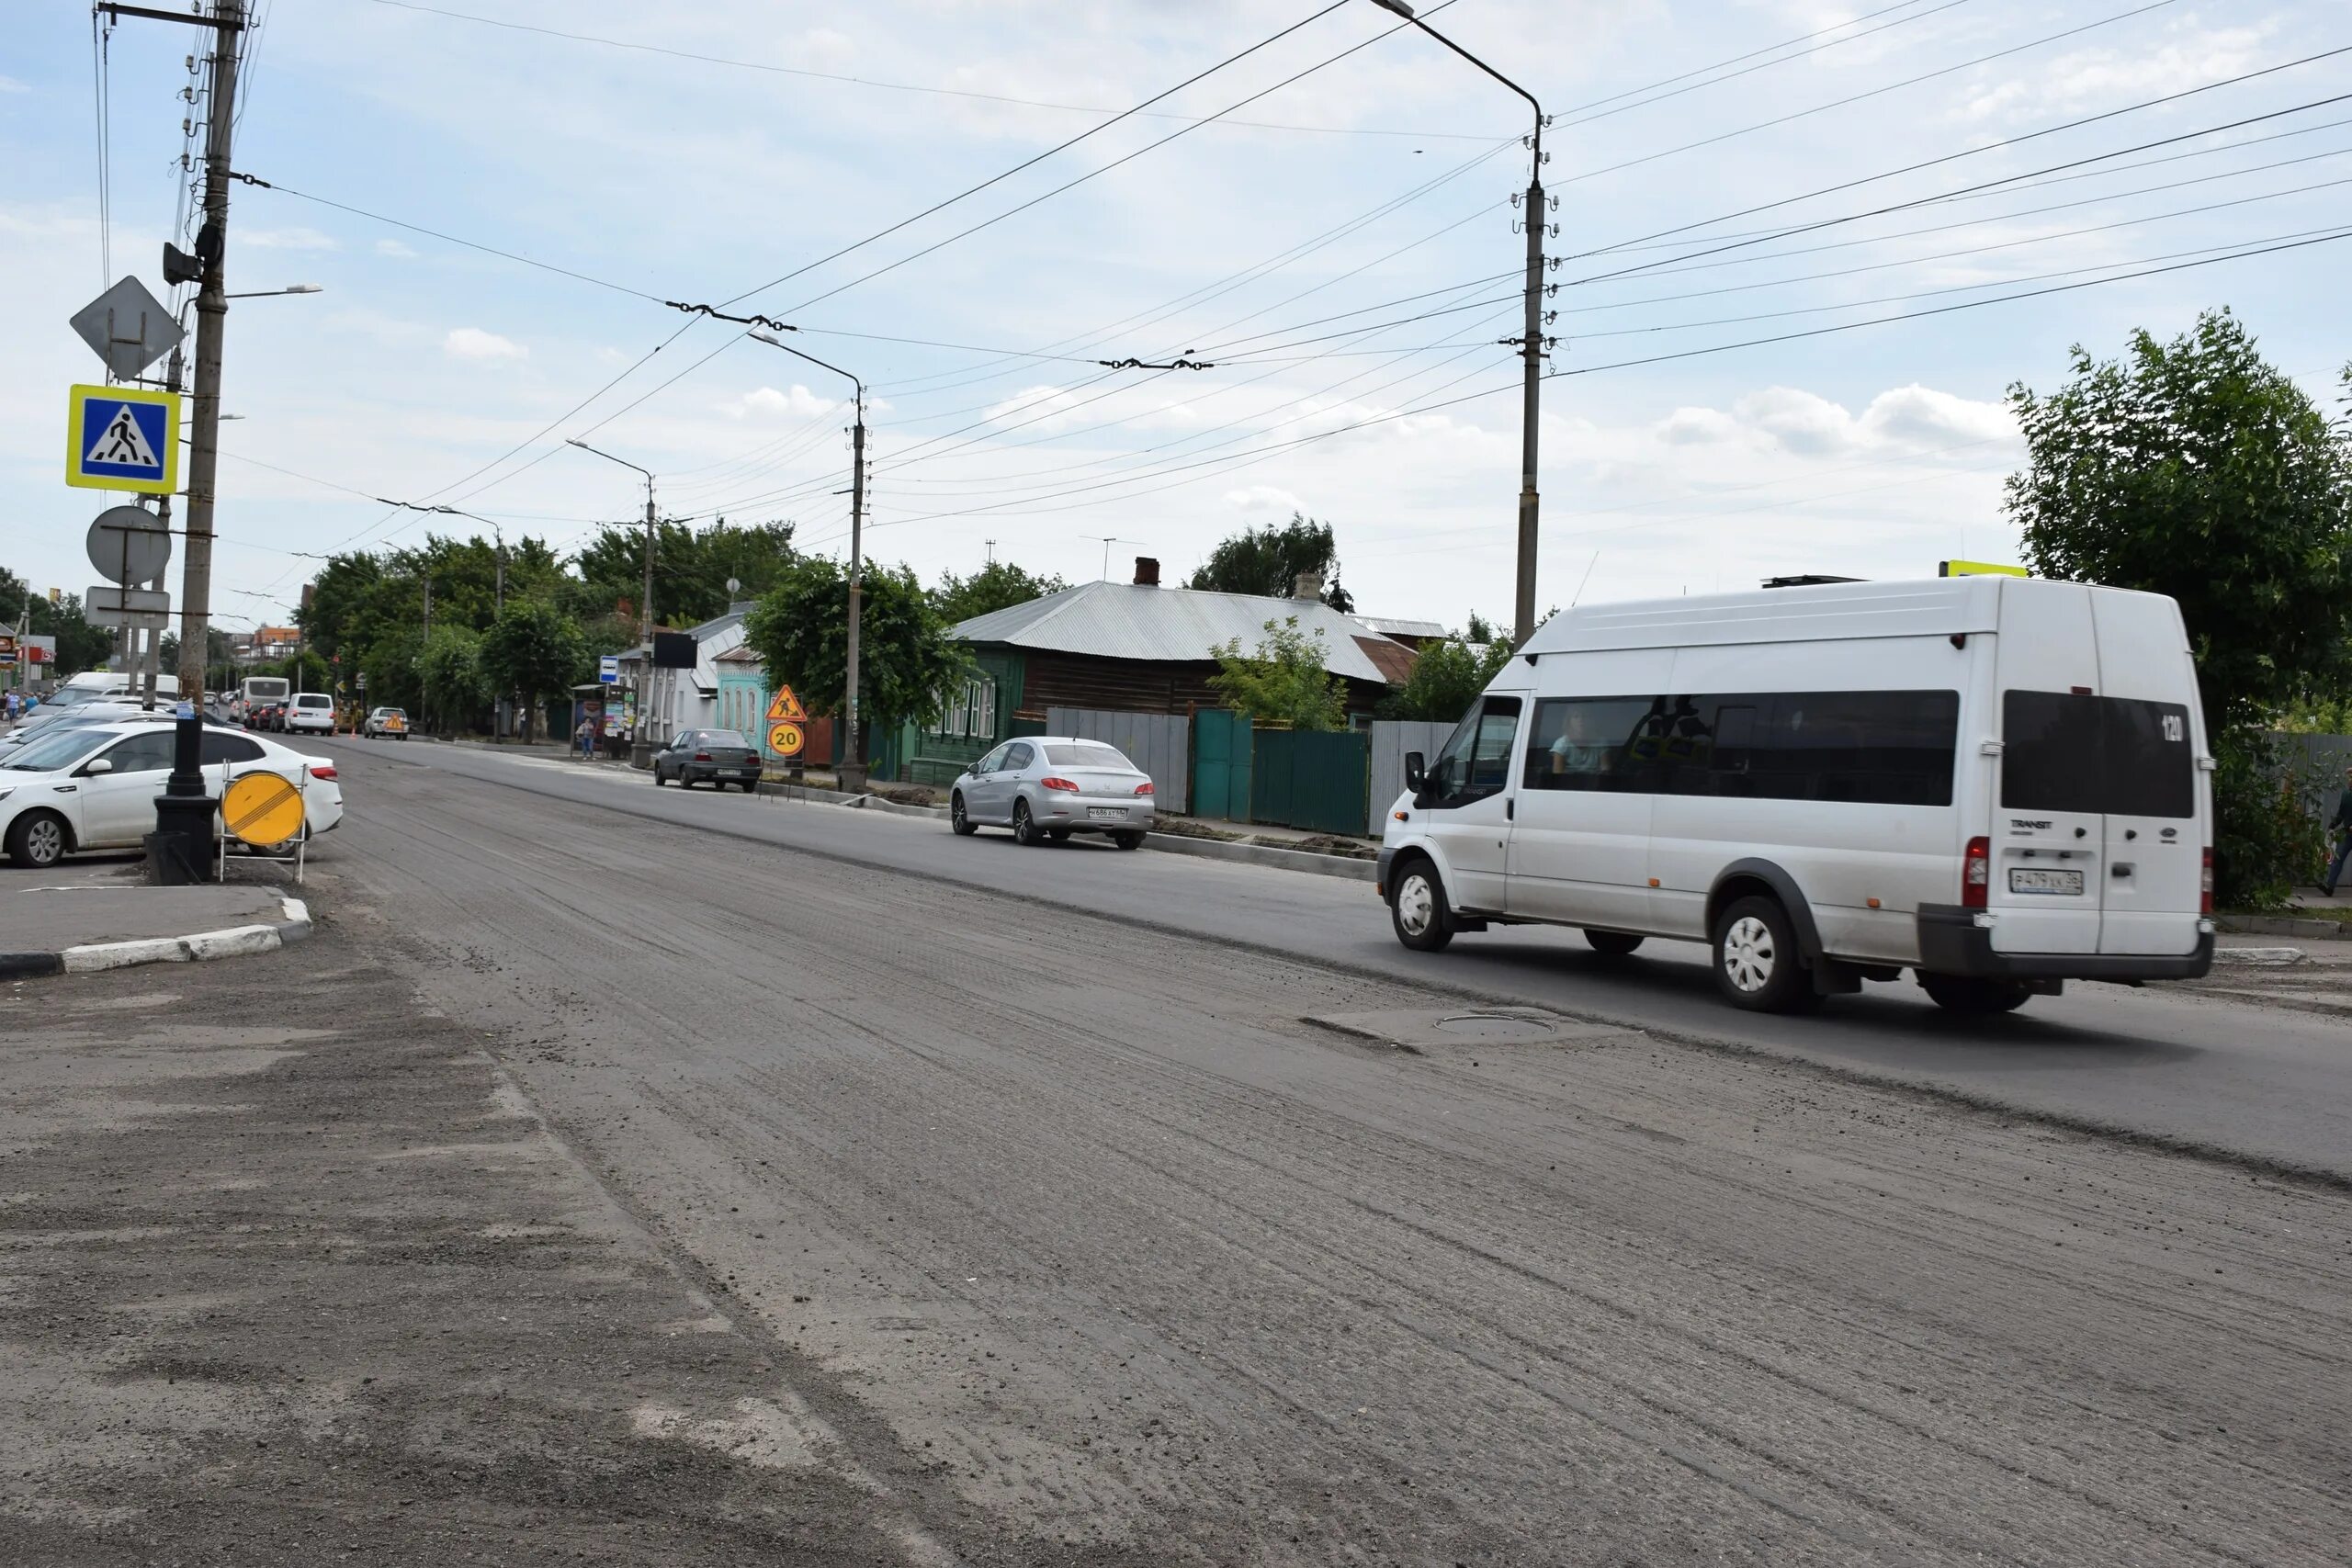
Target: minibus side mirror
1416, 779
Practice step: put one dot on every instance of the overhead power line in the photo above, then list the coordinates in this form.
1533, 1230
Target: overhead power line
1228, 465
879, 85
2008, 141
1089, 174
1873, 93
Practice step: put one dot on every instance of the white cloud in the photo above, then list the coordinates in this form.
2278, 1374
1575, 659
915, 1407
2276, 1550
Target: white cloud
2091, 77
1925, 417
1262, 498
481, 347
767, 403
1801, 421
395, 249
10, 85
294, 239
1697, 427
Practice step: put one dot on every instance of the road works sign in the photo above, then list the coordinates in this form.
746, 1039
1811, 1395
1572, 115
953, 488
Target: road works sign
786, 719
262, 810
122, 438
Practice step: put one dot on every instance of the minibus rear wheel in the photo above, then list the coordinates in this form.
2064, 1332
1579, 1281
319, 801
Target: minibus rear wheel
1612, 944
1418, 906
1973, 997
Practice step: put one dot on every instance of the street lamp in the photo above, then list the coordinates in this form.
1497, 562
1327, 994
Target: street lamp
853, 769
1531, 344
204, 445
641, 744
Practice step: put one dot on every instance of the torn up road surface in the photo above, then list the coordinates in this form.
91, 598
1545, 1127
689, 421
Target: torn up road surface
1078, 1232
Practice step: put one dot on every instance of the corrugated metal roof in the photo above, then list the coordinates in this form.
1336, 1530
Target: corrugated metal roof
1389, 625
1120, 620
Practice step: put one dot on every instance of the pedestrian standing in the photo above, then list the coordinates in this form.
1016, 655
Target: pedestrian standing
2340, 825
585, 736
12, 706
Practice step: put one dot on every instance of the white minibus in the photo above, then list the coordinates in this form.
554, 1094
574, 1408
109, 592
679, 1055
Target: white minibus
2000, 783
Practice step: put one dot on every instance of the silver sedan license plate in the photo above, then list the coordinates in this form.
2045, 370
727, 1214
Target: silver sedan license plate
1107, 813
2063, 883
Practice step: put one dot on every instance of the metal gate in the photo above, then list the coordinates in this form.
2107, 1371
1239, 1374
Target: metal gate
1311, 779
1156, 742
1221, 765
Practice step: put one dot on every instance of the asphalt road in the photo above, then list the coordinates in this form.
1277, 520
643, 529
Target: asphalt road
1087, 1241
2206, 1072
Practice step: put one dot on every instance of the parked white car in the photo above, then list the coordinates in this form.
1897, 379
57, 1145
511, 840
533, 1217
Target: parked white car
94, 787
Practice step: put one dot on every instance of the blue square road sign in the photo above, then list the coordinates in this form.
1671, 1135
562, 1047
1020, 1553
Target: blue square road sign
123, 438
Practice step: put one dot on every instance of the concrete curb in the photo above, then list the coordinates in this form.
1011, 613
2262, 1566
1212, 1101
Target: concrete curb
231, 942
2280, 925
1343, 866
1306, 861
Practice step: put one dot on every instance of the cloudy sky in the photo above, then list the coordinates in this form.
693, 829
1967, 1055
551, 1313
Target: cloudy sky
1339, 248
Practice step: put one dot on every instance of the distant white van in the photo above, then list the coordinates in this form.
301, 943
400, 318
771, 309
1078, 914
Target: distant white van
1998, 783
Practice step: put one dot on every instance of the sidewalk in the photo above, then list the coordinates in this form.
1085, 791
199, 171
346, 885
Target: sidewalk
106, 921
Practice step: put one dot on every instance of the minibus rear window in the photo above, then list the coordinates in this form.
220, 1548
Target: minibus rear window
2120, 756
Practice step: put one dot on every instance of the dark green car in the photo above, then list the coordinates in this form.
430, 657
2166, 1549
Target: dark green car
719, 757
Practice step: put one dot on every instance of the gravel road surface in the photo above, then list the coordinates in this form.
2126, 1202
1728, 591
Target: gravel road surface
1082, 1243
2202, 1071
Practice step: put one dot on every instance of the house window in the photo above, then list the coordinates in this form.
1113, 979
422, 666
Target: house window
971, 710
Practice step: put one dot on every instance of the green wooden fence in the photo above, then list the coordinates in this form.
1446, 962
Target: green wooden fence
1310, 779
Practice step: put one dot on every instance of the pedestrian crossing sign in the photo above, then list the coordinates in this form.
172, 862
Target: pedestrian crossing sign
123, 438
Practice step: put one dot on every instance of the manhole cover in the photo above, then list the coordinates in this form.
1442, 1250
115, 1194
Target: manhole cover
1493, 1026
1418, 1029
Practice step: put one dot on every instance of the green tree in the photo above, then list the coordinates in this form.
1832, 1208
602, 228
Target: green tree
998, 585
307, 671
1449, 675
1286, 681
691, 567
1267, 562
2196, 469
450, 677
906, 660
534, 651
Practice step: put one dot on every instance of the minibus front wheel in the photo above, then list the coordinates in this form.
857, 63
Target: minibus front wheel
1758, 966
1418, 906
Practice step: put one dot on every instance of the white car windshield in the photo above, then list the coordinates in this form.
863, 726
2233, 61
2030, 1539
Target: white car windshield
62, 749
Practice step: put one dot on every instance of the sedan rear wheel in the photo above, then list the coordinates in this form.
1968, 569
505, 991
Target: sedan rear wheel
1024, 827
1129, 840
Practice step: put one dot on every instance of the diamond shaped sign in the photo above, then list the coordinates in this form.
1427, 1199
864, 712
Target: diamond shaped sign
128, 328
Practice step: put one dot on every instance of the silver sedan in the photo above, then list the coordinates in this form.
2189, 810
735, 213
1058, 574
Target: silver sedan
1045, 787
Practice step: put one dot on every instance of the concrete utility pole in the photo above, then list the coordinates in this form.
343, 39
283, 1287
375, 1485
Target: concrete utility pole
211, 323
1530, 345
853, 769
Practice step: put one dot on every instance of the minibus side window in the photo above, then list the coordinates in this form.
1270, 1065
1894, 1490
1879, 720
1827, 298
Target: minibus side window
1618, 745
1476, 763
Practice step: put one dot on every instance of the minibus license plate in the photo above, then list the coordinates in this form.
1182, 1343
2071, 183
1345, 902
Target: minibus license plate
2061, 882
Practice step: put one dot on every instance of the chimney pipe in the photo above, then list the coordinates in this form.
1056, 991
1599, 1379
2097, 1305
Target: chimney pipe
1147, 572
1309, 585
